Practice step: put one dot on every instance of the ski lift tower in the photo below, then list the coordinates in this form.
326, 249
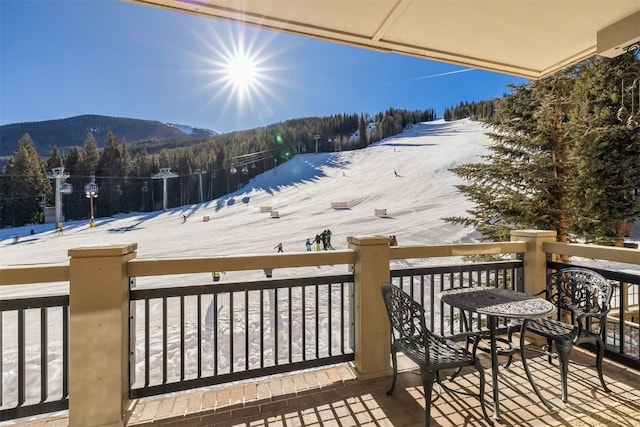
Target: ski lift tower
316, 138
59, 175
164, 174
199, 173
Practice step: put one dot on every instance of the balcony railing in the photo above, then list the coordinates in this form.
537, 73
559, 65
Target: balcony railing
34, 363
126, 341
216, 333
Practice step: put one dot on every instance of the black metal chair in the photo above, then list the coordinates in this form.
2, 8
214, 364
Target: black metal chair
583, 300
429, 351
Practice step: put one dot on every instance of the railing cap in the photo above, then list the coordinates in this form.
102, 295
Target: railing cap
533, 233
368, 240
103, 251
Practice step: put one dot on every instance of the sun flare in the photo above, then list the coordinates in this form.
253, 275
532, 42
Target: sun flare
243, 72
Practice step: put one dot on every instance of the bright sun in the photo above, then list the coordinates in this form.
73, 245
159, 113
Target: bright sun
242, 72
242, 69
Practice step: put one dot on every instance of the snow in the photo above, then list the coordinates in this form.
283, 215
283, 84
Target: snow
302, 191
190, 130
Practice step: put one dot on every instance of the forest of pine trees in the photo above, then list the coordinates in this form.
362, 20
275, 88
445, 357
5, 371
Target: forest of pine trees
559, 158
123, 171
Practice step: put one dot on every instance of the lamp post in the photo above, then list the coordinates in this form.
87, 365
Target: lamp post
91, 191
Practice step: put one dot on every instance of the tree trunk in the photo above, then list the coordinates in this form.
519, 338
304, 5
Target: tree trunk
562, 236
622, 228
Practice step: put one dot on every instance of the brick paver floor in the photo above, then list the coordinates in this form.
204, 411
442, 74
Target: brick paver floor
334, 397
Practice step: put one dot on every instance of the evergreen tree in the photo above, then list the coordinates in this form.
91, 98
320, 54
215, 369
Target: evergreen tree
130, 196
607, 153
109, 178
55, 160
143, 168
27, 182
90, 156
186, 179
75, 204
362, 132
522, 182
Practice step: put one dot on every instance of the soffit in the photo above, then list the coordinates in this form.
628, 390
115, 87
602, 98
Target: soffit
528, 38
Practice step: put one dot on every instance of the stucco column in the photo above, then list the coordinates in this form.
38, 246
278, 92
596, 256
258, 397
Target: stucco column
535, 259
99, 335
372, 332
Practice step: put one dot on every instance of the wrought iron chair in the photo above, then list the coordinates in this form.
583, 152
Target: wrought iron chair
583, 300
429, 351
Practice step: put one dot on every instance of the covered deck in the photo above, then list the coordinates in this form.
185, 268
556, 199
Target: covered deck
333, 396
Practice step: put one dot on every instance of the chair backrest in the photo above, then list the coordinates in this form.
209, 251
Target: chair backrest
579, 288
406, 316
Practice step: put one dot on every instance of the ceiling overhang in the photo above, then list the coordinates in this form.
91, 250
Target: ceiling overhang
527, 38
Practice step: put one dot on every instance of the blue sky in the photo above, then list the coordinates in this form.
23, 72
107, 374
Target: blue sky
63, 58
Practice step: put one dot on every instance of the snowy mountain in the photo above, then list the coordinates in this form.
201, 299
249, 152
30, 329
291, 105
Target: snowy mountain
72, 131
302, 191
194, 131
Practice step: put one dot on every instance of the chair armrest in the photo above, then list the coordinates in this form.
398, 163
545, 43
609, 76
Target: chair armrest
580, 315
580, 320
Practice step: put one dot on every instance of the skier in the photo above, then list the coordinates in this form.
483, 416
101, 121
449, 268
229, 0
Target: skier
328, 233
317, 241
279, 247
308, 245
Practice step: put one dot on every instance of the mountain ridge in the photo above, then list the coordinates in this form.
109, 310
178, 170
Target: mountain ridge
72, 131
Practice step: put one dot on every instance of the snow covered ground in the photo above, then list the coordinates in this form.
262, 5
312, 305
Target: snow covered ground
302, 191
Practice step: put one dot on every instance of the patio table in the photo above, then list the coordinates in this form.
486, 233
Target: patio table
495, 303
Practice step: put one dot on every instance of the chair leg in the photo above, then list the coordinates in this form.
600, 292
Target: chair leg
428, 377
599, 357
564, 351
394, 363
468, 340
